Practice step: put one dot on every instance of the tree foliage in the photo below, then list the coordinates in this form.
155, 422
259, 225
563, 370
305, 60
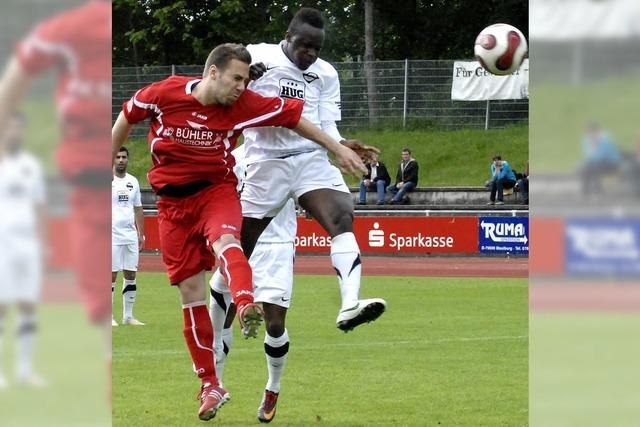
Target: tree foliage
160, 32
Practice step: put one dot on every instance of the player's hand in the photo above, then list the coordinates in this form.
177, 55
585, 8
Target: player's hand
363, 150
140, 243
257, 70
349, 161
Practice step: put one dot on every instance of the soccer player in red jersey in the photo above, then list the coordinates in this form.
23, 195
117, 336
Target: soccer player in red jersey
195, 124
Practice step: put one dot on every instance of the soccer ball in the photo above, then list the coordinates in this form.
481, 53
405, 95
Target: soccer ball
500, 49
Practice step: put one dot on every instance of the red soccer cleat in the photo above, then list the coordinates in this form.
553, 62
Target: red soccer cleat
267, 409
211, 397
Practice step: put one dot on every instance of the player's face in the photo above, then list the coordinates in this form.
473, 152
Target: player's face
304, 45
121, 162
231, 82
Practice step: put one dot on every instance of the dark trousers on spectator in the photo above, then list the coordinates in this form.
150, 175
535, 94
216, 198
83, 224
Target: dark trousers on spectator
379, 186
523, 185
498, 186
399, 194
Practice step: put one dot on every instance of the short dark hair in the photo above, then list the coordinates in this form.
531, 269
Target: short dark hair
406, 150
306, 15
222, 54
497, 157
124, 149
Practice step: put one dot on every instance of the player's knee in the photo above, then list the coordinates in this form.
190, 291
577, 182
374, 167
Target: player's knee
275, 327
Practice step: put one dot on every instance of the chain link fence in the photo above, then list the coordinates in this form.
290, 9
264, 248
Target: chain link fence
408, 94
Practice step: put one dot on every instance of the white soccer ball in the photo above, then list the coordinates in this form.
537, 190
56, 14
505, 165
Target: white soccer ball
500, 49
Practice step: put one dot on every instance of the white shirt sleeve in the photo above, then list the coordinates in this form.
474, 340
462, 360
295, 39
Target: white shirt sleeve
329, 107
136, 201
329, 127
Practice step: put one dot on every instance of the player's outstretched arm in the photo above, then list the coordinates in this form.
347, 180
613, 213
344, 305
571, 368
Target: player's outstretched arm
119, 134
13, 86
347, 159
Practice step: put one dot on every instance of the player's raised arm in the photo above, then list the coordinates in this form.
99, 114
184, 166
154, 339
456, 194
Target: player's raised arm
119, 133
347, 159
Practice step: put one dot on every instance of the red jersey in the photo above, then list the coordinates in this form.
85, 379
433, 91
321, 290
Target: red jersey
77, 43
191, 142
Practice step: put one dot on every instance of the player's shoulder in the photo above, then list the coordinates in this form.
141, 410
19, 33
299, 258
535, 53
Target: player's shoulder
324, 68
130, 178
261, 49
66, 23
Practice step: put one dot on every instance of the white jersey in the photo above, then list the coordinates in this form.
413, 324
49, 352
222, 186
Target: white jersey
283, 227
319, 88
125, 195
22, 191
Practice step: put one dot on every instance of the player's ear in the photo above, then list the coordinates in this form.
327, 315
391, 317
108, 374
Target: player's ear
213, 72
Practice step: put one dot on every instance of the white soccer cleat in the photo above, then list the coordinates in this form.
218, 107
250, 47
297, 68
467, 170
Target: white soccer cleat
113, 322
364, 311
132, 321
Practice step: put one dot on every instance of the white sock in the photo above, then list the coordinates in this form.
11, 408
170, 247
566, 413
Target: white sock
276, 350
129, 290
25, 344
219, 303
227, 342
345, 257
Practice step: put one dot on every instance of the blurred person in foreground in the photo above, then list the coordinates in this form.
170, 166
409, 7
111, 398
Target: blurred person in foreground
77, 45
195, 123
127, 235
502, 176
22, 197
601, 158
523, 184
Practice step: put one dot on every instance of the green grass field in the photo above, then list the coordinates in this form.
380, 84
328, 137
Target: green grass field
446, 158
70, 356
449, 351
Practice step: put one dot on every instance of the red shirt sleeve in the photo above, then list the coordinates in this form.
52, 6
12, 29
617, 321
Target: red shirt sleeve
261, 111
42, 49
143, 104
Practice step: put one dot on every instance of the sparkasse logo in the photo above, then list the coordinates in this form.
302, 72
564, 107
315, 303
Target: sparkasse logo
376, 236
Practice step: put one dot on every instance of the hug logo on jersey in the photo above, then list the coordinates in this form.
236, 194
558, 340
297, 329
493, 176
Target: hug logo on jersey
290, 88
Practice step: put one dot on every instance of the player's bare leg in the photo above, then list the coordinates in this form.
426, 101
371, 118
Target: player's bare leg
334, 211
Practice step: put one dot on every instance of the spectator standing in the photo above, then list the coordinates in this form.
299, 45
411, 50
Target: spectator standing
406, 178
601, 157
377, 178
502, 176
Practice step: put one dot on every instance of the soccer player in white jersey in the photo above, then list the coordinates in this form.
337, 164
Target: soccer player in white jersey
127, 234
22, 198
283, 165
272, 266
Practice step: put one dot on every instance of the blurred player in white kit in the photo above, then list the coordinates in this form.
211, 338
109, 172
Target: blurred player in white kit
127, 235
22, 198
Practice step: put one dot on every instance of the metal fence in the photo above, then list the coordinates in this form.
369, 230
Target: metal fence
409, 94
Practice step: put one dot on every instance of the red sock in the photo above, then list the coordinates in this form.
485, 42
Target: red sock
237, 273
198, 333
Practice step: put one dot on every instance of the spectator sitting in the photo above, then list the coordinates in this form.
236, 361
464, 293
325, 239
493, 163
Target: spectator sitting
523, 184
501, 177
377, 179
406, 178
601, 157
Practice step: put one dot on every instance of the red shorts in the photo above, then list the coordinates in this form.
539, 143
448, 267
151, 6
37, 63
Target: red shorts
189, 226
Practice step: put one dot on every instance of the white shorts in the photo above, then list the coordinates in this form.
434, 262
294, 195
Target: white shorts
20, 274
270, 183
124, 257
272, 266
